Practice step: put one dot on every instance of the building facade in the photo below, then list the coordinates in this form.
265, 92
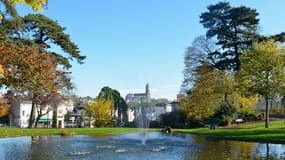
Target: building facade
21, 111
162, 108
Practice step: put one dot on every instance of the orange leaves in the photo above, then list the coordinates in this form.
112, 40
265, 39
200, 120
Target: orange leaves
4, 107
29, 69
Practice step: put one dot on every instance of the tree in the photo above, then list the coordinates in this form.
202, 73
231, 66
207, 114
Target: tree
4, 107
235, 29
120, 106
195, 56
215, 93
245, 104
49, 103
32, 72
1, 70
82, 119
41, 30
36, 5
262, 72
175, 119
204, 97
101, 112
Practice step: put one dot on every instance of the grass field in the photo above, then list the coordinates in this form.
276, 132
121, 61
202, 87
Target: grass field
247, 132
16, 132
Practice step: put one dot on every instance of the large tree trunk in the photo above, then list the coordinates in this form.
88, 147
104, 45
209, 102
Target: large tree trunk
40, 115
227, 101
37, 120
236, 47
32, 115
266, 112
54, 118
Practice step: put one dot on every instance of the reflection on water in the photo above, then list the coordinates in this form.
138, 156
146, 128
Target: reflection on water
128, 146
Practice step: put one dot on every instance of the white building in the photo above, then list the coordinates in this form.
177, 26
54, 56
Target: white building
21, 110
20, 113
162, 108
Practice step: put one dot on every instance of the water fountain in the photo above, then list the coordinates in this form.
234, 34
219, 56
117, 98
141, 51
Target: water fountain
143, 115
141, 105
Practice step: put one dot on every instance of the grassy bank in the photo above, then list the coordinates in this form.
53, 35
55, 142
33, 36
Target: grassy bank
248, 132
16, 132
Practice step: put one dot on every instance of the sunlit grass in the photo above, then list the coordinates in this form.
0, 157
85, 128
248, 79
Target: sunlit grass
252, 132
16, 132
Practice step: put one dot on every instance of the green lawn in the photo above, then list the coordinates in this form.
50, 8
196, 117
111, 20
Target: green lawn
16, 132
248, 132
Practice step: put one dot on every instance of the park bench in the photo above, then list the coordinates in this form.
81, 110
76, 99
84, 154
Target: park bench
239, 120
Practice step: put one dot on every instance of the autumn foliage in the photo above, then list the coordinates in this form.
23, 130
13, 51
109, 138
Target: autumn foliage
28, 68
4, 107
30, 71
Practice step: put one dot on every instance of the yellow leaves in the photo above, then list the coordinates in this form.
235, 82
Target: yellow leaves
206, 94
262, 69
248, 105
36, 5
1, 71
101, 111
244, 104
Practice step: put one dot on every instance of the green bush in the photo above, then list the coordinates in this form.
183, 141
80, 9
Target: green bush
175, 119
67, 133
225, 114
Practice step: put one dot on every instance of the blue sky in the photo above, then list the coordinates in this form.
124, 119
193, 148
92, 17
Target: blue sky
129, 43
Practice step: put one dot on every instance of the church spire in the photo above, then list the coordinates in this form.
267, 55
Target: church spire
147, 91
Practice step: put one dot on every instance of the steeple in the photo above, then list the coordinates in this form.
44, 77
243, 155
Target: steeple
147, 91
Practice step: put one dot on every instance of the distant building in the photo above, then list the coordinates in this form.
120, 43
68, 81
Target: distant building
139, 96
162, 108
136, 98
175, 105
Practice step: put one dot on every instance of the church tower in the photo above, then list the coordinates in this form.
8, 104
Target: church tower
147, 91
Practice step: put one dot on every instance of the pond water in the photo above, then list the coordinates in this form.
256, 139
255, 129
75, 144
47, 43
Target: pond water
129, 147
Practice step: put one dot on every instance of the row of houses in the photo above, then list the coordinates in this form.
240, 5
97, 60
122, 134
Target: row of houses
21, 110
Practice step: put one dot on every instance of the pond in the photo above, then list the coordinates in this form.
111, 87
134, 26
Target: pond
129, 147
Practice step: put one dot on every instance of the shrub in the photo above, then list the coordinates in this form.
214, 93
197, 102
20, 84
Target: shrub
225, 114
175, 119
67, 133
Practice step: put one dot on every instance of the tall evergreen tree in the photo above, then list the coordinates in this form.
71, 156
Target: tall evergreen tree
41, 30
235, 29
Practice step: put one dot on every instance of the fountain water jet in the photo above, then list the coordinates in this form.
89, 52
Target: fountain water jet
141, 106
143, 114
